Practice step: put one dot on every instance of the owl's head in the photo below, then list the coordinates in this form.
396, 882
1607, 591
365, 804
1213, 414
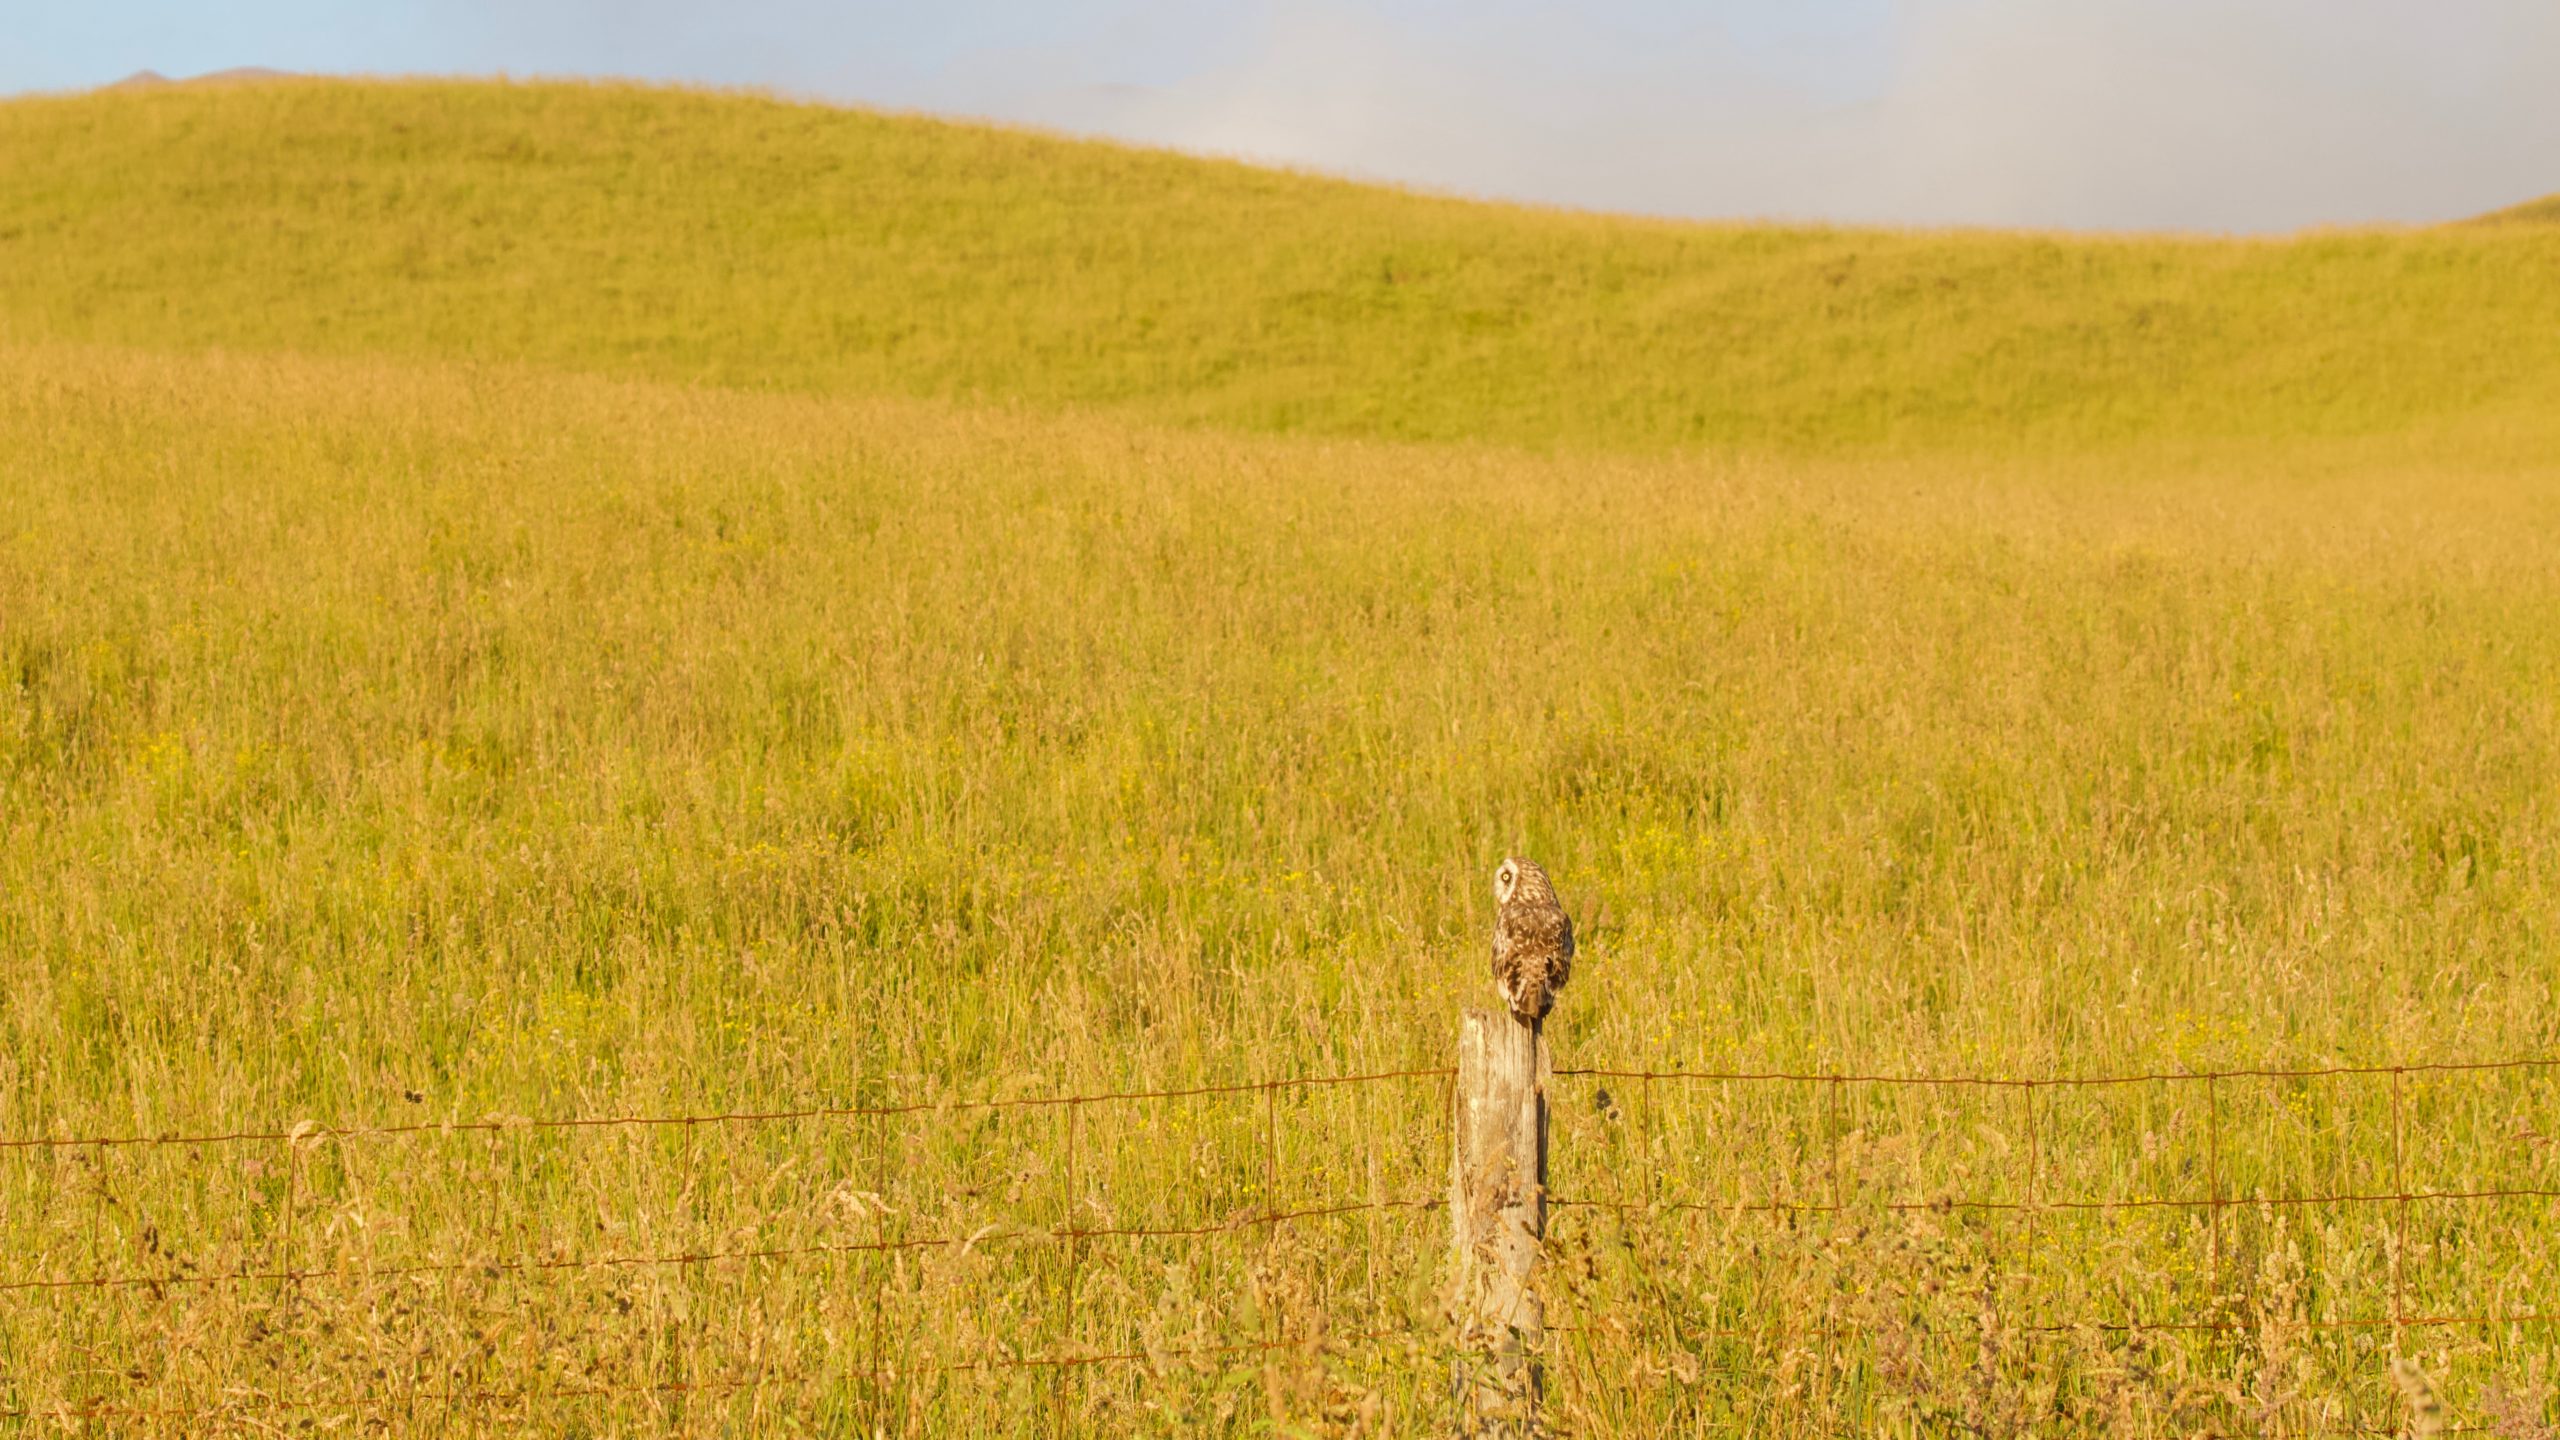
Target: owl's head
1522, 881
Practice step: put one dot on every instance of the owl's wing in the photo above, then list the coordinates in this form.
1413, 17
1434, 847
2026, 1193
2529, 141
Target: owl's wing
1564, 941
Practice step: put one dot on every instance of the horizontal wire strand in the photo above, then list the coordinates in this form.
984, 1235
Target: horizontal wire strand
826, 1112
727, 1117
495, 1267
2040, 1082
2227, 1202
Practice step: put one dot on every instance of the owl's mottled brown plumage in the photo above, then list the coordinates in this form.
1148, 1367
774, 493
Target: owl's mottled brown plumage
1532, 940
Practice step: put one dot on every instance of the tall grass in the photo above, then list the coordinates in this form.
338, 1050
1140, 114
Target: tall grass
436, 734
540, 746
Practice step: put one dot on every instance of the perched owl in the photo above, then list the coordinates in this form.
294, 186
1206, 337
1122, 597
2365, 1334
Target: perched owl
1532, 940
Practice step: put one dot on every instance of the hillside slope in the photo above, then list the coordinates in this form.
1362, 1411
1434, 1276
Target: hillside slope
2544, 211
742, 241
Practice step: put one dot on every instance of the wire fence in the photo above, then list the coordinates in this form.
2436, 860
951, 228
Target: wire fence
513, 1124
2213, 1202
1057, 1234
2030, 1195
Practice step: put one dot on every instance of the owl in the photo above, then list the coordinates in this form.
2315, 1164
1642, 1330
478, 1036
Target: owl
1532, 940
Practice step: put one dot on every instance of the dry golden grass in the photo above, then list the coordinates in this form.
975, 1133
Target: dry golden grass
422, 730
539, 746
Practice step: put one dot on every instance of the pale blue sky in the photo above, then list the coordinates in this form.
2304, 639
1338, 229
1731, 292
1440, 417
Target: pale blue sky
2208, 114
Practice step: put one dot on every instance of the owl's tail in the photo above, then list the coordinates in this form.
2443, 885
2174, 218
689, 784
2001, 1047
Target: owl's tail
1529, 998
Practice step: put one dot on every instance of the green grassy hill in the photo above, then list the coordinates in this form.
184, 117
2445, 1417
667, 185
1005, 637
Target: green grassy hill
2544, 211
703, 237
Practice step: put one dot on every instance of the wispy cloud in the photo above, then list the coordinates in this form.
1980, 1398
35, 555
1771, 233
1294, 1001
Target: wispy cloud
2215, 114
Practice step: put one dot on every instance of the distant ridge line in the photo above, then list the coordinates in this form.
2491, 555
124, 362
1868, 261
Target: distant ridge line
236, 75
2545, 211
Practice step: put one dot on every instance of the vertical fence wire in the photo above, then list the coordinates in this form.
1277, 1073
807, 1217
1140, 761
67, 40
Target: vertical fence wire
1271, 1150
2213, 1193
2035, 1218
2400, 1240
1071, 1223
287, 1288
878, 1265
1831, 1129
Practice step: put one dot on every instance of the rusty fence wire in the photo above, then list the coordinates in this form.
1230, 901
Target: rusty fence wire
2216, 1199
2029, 1198
1269, 1215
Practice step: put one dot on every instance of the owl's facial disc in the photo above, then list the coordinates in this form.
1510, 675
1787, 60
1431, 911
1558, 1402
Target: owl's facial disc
1505, 880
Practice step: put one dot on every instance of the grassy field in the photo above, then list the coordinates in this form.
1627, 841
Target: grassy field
739, 242
534, 602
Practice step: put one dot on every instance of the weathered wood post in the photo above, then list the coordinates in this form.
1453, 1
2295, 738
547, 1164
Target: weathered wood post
1498, 1222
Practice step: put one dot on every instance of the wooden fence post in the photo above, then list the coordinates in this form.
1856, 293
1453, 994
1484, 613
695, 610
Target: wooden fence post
1498, 1222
